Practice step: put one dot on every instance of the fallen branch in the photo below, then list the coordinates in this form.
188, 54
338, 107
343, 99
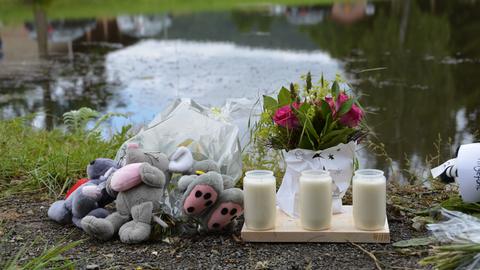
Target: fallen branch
370, 254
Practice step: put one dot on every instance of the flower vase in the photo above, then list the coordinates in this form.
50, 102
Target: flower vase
338, 160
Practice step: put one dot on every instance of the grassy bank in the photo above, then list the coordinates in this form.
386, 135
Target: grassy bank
16, 11
49, 160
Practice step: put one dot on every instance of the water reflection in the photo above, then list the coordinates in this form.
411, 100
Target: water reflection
142, 26
427, 49
151, 73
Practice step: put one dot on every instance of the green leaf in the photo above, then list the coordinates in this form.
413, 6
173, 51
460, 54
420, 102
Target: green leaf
293, 93
305, 107
335, 141
325, 108
328, 122
269, 103
346, 106
456, 203
335, 88
308, 81
306, 122
337, 133
306, 142
414, 242
284, 97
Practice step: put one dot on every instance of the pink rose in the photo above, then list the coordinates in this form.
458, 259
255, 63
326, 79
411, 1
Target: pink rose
353, 117
285, 117
330, 102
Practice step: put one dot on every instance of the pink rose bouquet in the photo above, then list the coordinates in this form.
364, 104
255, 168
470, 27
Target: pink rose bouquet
285, 116
315, 117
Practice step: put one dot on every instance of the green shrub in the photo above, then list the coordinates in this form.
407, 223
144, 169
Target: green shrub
49, 160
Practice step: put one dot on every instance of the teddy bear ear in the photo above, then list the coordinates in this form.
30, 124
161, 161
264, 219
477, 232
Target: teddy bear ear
181, 160
98, 167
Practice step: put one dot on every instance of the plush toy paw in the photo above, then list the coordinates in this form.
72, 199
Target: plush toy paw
138, 229
126, 177
59, 213
152, 176
134, 232
98, 227
201, 193
226, 210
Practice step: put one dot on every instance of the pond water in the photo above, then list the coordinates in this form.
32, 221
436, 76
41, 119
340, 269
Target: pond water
415, 63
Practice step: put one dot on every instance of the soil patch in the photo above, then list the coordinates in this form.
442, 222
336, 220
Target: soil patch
24, 218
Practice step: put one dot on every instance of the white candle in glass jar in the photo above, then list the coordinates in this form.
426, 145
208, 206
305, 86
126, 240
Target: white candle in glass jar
369, 199
259, 189
315, 199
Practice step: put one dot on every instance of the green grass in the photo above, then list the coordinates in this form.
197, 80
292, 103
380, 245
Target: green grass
18, 11
50, 258
49, 160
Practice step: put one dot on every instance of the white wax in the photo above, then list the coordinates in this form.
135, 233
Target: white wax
369, 201
315, 200
260, 209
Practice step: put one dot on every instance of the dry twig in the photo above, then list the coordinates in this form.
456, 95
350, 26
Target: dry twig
370, 254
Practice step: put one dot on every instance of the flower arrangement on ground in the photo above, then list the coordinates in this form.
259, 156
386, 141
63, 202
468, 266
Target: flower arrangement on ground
317, 127
315, 117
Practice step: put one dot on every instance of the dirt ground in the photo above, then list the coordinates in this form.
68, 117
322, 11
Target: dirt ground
23, 219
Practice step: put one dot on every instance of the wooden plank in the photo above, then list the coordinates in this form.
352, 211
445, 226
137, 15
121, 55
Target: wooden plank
288, 229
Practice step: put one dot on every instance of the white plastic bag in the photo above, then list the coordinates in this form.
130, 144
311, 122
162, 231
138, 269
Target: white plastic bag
187, 123
338, 160
459, 228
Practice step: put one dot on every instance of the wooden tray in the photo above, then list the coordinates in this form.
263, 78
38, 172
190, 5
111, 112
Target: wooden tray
288, 229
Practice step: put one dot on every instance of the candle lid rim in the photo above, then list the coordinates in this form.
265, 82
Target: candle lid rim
369, 172
259, 173
315, 172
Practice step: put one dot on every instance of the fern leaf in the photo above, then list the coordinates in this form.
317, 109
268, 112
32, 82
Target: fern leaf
77, 120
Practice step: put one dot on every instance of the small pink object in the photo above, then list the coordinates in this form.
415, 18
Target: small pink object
224, 214
353, 117
286, 117
126, 177
133, 146
200, 198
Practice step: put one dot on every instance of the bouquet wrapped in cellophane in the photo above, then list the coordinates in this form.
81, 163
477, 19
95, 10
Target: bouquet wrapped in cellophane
317, 127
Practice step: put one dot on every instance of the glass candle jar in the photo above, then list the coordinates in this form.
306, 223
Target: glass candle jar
259, 188
315, 199
369, 199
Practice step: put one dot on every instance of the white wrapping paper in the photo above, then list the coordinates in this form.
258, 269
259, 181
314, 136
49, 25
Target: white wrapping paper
338, 160
207, 134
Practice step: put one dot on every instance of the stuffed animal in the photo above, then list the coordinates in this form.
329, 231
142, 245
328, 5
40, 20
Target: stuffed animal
207, 195
140, 185
87, 198
212, 199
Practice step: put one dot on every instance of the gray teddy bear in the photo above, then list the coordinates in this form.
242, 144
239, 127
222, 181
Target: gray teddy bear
141, 187
89, 199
